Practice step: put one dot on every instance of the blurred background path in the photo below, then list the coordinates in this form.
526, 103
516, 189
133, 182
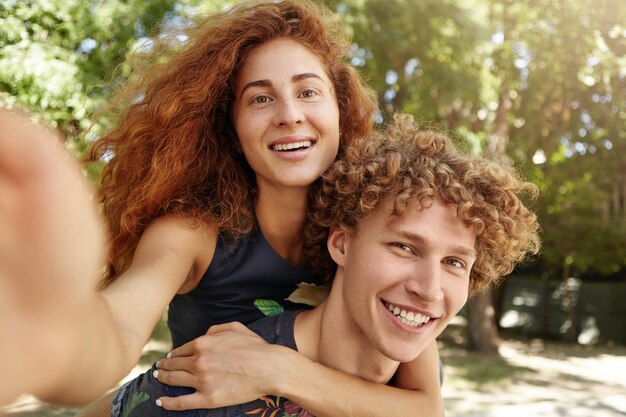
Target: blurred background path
538, 379
532, 378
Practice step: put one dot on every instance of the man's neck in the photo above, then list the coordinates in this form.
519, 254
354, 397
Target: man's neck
327, 335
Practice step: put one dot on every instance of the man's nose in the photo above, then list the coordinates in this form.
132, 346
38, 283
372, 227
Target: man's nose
425, 281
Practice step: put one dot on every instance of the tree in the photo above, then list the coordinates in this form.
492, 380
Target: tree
420, 56
536, 83
427, 58
57, 56
571, 115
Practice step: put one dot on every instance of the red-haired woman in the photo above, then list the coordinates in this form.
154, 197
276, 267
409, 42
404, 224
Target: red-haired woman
206, 193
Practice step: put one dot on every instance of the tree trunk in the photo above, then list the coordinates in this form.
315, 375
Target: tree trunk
482, 329
482, 334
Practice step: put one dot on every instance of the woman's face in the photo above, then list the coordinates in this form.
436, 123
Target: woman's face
286, 115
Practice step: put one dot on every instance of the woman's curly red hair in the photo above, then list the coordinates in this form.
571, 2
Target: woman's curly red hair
412, 165
174, 148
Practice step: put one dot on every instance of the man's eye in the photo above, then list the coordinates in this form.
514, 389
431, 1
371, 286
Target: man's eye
455, 263
402, 247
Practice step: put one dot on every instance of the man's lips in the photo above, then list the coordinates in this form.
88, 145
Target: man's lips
407, 316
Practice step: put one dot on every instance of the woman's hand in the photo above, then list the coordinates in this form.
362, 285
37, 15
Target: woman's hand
52, 243
51, 256
229, 365
232, 365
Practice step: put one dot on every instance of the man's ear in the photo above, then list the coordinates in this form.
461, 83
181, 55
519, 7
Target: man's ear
337, 243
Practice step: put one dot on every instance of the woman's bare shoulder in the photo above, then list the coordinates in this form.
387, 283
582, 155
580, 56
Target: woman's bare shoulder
185, 238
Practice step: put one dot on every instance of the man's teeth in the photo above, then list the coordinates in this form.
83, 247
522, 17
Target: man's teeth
410, 318
292, 145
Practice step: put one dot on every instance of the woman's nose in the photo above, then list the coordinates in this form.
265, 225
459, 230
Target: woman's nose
288, 112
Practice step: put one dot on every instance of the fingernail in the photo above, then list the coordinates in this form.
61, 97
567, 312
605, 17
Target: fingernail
169, 355
158, 402
158, 364
155, 374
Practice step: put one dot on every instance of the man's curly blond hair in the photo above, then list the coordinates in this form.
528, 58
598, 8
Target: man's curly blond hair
409, 165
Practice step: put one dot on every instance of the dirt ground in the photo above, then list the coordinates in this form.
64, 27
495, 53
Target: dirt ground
533, 378
544, 380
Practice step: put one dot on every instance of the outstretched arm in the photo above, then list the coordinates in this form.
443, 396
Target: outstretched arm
231, 365
51, 249
63, 331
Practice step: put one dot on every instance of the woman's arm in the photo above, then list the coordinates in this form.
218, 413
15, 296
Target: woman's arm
51, 254
63, 331
326, 392
231, 365
120, 318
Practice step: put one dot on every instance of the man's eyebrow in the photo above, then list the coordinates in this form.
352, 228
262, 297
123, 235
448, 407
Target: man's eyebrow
458, 249
463, 250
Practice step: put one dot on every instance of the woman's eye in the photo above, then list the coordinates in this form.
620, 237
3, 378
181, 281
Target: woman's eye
308, 94
261, 100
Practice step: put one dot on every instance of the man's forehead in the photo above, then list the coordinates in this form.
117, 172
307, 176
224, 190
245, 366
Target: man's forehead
415, 221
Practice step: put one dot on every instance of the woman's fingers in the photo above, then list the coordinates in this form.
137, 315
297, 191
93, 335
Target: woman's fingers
187, 349
214, 335
178, 363
223, 367
175, 378
184, 402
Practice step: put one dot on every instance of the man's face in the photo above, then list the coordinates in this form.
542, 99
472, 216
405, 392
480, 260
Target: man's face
405, 277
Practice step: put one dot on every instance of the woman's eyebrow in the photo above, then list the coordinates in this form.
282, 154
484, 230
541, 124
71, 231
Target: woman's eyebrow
268, 83
304, 76
257, 83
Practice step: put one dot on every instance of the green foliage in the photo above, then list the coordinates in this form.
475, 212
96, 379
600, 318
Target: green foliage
571, 108
579, 229
545, 78
55, 55
423, 57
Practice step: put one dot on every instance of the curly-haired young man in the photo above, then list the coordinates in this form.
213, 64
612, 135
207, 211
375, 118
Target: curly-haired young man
414, 227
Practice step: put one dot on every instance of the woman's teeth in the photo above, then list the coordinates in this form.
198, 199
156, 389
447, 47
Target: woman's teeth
291, 146
410, 318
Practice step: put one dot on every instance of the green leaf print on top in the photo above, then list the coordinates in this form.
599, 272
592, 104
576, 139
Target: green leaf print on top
269, 307
135, 400
274, 408
308, 294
